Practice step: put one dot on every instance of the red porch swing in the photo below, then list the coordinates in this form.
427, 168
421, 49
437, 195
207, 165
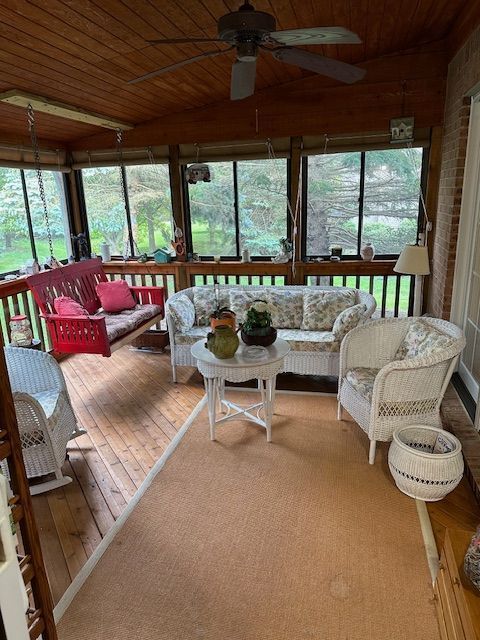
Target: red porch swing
93, 333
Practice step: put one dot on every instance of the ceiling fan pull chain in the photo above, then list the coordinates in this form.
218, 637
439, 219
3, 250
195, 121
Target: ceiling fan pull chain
38, 169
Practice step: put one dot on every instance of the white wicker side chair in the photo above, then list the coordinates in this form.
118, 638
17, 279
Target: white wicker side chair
46, 420
382, 393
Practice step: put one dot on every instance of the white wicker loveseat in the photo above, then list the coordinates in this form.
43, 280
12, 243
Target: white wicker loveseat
394, 372
313, 352
45, 417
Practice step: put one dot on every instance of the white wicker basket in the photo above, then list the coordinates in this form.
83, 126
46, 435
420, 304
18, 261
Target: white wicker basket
417, 470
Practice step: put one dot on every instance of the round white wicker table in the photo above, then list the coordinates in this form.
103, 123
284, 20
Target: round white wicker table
239, 369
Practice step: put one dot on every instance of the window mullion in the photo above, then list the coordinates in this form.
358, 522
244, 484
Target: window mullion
29, 217
236, 208
127, 211
361, 197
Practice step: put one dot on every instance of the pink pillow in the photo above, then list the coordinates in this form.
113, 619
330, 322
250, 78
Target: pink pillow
66, 306
115, 296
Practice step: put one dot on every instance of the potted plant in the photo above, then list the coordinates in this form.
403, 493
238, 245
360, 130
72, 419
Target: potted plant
257, 328
223, 315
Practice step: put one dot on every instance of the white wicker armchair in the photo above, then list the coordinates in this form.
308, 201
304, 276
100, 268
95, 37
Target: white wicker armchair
404, 392
46, 420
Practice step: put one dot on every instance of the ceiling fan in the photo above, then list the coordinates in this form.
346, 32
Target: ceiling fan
248, 31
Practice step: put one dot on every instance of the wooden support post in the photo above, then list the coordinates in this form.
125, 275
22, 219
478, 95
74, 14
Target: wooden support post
295, 186
31, 543
78, 225
431, 195
177, 191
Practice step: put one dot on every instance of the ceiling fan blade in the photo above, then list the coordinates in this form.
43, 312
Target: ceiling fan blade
183, 40
177, 65
319, 64
243, 79
316, 35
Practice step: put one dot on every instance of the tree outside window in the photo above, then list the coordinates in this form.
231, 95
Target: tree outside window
15, 240
358, 197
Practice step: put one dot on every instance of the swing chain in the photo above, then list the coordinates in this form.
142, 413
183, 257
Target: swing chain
41, 188
123, 186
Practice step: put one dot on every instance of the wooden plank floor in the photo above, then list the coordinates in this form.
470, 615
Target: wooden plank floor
131, 411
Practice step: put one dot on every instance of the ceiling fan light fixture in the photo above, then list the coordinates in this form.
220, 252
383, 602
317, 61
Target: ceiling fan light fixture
247, 52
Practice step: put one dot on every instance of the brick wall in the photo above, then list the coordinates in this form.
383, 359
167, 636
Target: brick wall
463, 75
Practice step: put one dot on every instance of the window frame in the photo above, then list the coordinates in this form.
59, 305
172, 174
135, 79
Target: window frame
361, 205
188, 219
31, 234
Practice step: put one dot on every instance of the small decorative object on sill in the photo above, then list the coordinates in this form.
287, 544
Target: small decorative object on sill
161, 256
21, 333
367, 252
142, 258
285, 253
257, 328
335, 258
179, 247
105, 252
246, 256
31, 267
216, 258
223, 342
80, 247
336, 250
195, 257
471, 564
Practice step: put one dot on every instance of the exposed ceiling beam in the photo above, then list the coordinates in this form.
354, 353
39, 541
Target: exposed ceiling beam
410, 83
60, 109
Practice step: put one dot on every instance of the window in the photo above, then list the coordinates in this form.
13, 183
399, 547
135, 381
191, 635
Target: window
23, 233
149, 224
57, 214
243, 207
105, 206
357, 197
212, 213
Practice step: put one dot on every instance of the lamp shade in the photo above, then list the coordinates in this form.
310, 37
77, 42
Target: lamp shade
413, 260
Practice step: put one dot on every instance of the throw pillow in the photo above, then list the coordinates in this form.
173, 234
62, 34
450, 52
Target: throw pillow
241, 299
204, 303
287, 308
321, 308
183, 312
348, 320
66, 306
115, 296
422, 339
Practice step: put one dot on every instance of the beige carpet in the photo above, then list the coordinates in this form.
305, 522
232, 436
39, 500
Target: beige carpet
299, 539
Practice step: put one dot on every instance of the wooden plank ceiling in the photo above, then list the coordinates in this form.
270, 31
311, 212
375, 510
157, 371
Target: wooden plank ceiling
83, 52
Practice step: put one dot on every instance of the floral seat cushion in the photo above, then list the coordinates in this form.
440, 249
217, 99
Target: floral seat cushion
362, 380
422, 339
191, 336
119, 324
321, 341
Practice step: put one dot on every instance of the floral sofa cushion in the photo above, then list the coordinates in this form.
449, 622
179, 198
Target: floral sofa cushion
422, 339
348, 320
118, 324
362, 380
241, 299
321, 308
183, 312
287, 308
192, 335
205, 304
321, 341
